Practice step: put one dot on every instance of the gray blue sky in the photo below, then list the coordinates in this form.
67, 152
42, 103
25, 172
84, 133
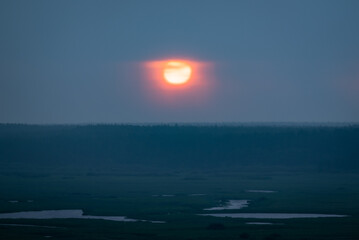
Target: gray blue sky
271, 61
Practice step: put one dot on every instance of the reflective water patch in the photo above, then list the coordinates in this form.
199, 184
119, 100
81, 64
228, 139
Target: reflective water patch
53, 214
230, 205
272, 215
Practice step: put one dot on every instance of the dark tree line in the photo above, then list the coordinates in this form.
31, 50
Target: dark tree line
181, 146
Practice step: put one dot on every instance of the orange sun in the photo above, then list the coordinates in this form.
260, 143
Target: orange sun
177, 72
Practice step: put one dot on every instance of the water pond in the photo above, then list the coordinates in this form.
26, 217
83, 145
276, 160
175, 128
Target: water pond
230, 205
272, 215
77, 213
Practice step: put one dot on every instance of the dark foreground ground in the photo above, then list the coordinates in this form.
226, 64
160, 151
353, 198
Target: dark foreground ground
124, 170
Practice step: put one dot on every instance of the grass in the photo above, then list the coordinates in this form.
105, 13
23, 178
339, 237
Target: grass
132, 196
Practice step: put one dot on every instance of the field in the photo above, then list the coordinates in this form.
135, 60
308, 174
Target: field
33, 177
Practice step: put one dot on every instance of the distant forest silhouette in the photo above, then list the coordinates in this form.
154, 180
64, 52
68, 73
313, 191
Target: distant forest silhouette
180, 147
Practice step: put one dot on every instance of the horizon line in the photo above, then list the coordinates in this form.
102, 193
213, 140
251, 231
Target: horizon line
229, 124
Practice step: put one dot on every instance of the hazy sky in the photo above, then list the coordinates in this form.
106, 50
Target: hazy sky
82, 61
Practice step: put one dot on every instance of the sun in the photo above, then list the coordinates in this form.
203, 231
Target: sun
177, 72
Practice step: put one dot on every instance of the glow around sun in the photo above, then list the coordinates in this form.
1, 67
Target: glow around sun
177, 72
